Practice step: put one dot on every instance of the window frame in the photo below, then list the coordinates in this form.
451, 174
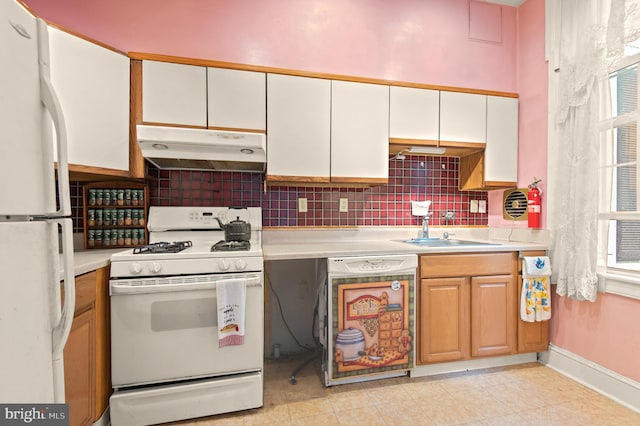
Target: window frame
613, 279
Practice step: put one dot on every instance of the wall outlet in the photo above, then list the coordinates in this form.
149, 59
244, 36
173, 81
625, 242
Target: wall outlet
302, 205
482, 206
473, 206
344, 205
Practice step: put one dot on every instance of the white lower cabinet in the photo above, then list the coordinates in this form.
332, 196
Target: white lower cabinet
92, 83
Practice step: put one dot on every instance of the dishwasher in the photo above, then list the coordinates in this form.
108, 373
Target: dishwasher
367, 330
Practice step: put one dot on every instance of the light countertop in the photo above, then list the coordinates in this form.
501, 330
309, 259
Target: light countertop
320, 243
290, 244
89, 260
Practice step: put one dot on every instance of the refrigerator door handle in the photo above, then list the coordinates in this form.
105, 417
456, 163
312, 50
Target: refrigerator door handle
62, 329
52, 104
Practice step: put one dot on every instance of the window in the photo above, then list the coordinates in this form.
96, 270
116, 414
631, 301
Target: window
620, 208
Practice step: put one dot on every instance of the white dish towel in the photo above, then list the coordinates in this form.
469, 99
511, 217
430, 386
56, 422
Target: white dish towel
231, 297
535, 301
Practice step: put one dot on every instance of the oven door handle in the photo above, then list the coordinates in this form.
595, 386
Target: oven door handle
117, 287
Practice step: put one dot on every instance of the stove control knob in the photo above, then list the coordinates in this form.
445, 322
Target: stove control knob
155, 267
135, 268
241, 264
223, 265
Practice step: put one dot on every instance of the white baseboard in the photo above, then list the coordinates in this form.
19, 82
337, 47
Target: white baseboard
104, 420
472, 364
602, 380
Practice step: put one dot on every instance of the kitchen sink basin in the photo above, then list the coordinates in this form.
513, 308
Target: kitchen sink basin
439, 242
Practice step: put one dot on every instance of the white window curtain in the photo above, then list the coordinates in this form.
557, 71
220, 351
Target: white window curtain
592, 34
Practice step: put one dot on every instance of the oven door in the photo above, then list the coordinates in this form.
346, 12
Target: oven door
165, 329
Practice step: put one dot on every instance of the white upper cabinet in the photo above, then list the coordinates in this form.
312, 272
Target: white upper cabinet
501, 151
463, 117
359, 131
299, 123
414, 113
236, 99
92, 83
174, 94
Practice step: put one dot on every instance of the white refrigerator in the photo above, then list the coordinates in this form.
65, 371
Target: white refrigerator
36, 241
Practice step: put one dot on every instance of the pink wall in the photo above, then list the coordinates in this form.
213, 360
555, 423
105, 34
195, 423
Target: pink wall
606, 332
425, 41
532, 86
405, 40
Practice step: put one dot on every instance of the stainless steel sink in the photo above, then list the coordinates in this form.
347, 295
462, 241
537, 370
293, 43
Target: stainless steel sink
438, 242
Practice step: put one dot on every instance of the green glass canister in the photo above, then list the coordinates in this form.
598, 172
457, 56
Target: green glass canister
92, 197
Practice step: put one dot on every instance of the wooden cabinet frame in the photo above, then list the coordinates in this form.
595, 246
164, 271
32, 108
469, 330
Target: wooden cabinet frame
532, 336
87, 354
466, 306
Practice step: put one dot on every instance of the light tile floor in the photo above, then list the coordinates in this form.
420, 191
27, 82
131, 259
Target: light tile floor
528, 394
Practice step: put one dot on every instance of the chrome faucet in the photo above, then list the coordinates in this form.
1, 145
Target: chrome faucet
425, 226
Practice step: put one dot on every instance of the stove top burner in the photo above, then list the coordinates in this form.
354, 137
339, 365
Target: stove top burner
163, 247
231, 246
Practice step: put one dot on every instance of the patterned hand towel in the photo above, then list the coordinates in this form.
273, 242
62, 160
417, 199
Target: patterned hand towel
231, 297
535, 301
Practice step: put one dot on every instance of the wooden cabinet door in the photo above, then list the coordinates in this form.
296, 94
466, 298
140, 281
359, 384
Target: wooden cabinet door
359, 132
79, 358
92, 83
493, 315
236, 99
299, 123
414, 113
501, 151
79, 354
532, 336
174, 94
463, 117
102, 342
443, 320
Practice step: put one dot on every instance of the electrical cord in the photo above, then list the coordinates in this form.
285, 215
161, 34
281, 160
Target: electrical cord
316, 339
285, 321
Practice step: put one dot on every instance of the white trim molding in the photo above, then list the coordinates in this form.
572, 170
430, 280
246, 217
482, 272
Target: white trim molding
602, 380
622, 284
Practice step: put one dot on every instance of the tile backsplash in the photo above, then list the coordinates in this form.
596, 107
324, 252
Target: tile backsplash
416, 178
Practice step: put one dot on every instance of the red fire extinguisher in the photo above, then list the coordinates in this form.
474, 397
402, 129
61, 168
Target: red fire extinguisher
534, 204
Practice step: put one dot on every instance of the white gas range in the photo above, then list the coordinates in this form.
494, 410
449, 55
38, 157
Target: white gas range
166, 361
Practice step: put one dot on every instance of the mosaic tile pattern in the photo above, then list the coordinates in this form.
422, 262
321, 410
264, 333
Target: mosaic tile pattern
75, 191
415, 178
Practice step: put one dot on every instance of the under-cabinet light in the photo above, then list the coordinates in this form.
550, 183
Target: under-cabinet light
425, 150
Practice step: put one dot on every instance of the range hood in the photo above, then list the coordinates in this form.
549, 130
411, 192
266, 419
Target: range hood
202, 149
